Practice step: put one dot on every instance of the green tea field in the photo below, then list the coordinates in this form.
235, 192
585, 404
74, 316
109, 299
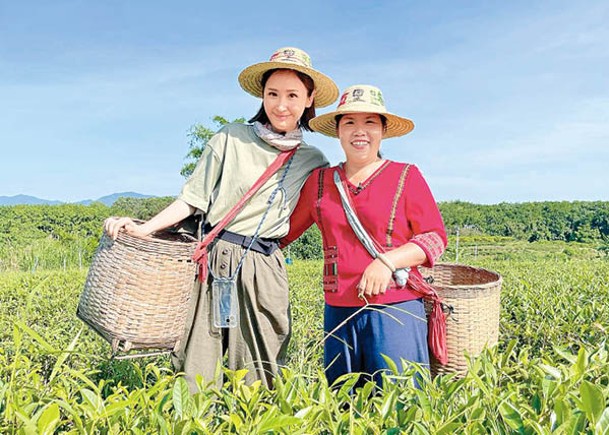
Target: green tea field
549, 372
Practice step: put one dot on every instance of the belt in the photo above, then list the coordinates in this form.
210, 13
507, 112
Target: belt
262, 245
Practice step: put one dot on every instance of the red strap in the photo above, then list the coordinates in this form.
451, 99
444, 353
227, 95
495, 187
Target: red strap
200, 254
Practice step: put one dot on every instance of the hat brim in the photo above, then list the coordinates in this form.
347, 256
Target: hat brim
396, 125
326, 91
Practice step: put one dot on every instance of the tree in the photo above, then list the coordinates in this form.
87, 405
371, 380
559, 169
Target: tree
140, 208
198, 136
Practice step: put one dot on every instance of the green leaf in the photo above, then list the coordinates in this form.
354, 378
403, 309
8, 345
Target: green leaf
593, 401
29, 331
391, 364
238, 375
75, 415
478, 413
365, 393
278, 422
49, 419
425, 405
183, 427
388, 405
181, 397
482, 384
348, 381
602, 425
116, 407
450, 425
574, 424
93, 399
552, 371
579, 368
566, 355
30, 424
86, 381
505, 356
64, 355
548, 387
304, 412
536, 403
449, 428
511, 415
561, 411
236, 421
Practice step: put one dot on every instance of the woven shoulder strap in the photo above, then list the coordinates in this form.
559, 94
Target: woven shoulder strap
436, 337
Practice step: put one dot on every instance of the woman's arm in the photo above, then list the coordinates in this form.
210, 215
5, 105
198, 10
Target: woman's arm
195, 194
171, 215
425, 247
301, 218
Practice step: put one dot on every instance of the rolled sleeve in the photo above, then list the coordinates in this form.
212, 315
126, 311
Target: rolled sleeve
432, 244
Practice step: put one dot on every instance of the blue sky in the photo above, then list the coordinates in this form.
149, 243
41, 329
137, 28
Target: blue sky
510, 99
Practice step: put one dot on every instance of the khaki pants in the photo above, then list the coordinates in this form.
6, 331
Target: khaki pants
259, 341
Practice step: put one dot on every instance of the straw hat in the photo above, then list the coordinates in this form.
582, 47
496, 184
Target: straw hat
295, 59
362, 99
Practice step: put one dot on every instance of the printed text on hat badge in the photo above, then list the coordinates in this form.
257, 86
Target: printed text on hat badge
377, 98
357, 94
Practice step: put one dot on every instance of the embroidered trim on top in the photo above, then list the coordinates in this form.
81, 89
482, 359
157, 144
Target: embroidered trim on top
357, 189
320, 194
330, 278
433, 243
394, 206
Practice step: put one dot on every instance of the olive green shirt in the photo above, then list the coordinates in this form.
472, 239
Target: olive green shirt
233, 159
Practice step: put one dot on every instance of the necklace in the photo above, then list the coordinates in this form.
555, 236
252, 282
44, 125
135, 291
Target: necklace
357, 183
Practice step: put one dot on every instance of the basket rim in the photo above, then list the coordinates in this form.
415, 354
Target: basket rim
124, 237
484, 285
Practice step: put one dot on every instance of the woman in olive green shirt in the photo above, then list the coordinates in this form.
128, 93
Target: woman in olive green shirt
231, 162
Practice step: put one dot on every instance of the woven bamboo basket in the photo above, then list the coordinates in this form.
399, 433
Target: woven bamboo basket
137, 291
473, 324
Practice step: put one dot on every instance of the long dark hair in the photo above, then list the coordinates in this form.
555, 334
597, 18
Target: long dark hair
309, 112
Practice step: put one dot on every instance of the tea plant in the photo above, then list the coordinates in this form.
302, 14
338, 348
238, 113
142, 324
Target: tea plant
548, 374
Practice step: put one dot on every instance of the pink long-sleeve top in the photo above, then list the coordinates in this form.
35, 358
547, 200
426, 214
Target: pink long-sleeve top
395, 206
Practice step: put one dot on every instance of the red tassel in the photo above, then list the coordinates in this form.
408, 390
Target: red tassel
436, 336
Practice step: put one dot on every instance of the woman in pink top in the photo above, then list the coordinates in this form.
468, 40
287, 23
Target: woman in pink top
397, 209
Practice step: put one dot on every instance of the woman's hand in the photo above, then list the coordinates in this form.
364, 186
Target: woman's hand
376, 279
171, 215
113, 225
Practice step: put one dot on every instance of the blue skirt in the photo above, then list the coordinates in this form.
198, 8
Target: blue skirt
398, 331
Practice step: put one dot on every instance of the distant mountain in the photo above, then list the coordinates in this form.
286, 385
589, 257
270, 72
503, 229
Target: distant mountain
110, 199
32, 200
25, 200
